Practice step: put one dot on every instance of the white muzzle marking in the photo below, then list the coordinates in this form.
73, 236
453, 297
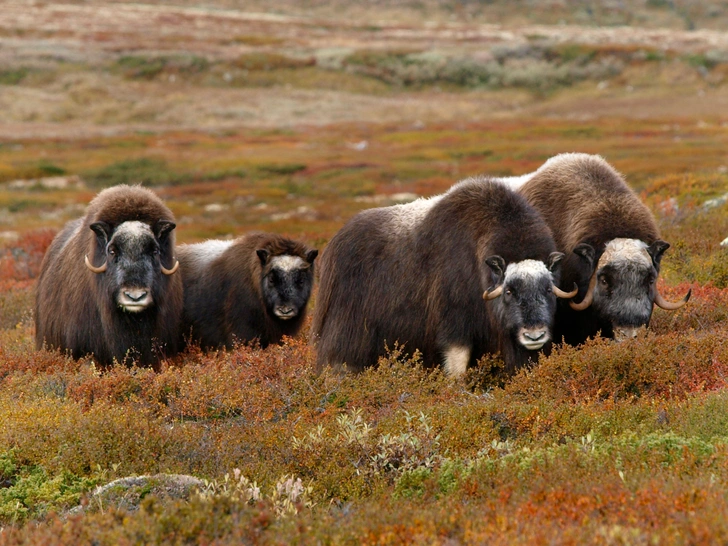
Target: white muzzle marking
134, 300
534, 338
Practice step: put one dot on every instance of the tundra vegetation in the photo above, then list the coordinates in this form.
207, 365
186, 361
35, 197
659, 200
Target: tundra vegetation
605, 443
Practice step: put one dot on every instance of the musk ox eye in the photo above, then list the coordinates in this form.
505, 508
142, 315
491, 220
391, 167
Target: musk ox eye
603, 281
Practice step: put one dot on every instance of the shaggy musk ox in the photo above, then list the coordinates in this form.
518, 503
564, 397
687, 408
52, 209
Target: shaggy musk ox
255, 287
470, 272
104, 287
611, 241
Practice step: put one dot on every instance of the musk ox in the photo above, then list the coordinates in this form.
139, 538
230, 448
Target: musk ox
611, 241
470, 272
255, 287
105, 287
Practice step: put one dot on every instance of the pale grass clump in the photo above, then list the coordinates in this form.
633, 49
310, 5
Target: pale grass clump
288, 496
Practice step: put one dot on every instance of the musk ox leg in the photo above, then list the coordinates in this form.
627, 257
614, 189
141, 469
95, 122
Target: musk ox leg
456, 360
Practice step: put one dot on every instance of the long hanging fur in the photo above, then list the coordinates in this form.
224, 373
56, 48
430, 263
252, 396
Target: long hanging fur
73, 310
224, 300
411, 274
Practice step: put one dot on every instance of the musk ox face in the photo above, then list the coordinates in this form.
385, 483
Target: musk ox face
526, 295
286, 282
134, 253
622, 289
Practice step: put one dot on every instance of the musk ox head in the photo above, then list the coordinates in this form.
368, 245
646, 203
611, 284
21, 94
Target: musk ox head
524, 296
134, 256
623, 285
286, 282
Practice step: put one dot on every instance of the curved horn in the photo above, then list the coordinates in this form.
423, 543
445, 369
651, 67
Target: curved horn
588, 297
566, 295
671, 306
99, 269
493, 294
172, 271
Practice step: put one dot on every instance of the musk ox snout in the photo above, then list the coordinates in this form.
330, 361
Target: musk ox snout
534, 338
285, 312
135, 300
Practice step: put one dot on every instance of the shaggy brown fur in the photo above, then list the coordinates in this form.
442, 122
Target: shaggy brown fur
415, 274
75, 308
230, 290
585, 200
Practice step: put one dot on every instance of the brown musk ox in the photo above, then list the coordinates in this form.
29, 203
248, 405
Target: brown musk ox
611, 242
255, 287
470, 272
107, 285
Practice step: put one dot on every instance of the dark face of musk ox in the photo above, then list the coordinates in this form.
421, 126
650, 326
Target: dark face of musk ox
625, 290
526, 306
134, 266
286, 283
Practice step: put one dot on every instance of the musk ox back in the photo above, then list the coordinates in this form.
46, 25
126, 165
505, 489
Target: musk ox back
611, 241
107, 284
255, 287
456, 276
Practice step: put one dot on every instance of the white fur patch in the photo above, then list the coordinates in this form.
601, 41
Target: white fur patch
529, 269
556, 162
625, 250
515, 182
409, 215
286, 262
133, 229
456, 360
201, 254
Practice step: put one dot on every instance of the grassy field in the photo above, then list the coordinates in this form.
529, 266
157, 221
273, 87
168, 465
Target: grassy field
291, 121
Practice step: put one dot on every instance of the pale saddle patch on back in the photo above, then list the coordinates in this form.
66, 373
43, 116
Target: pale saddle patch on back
201, 254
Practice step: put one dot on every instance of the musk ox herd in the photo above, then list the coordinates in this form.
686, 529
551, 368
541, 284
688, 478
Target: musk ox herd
502, 266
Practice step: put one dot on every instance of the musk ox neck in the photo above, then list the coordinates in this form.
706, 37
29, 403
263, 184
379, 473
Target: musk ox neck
133, 336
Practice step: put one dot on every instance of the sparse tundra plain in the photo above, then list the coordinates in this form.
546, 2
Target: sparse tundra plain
291, 117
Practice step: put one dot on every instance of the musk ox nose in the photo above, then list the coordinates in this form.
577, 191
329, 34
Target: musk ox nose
134, 299
135, 295
533, 338
285, 312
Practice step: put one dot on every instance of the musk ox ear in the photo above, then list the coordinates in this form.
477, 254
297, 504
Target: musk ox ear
586, 252
263, 255
497, 267
162, 229
102, 231
311, 255
656, 250
554, 261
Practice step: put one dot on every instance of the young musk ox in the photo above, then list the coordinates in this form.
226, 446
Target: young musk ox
255, 287
104, 287
611, 241
471, 272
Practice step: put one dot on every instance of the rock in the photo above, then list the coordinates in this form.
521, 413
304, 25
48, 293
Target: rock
128, 493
